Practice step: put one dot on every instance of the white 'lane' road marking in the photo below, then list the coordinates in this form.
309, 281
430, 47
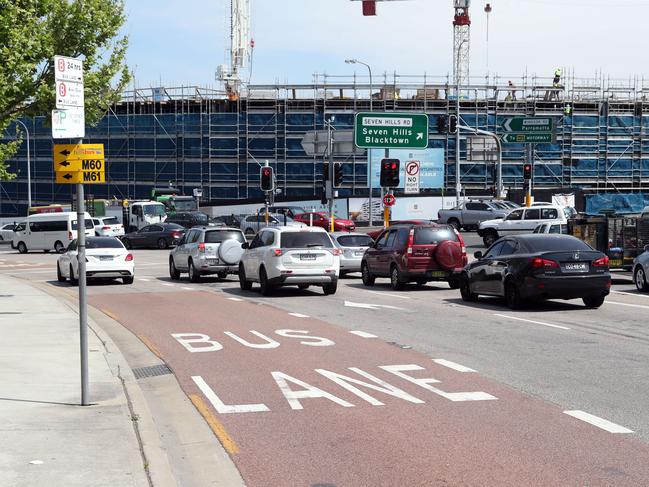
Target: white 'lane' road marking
352, 304
235, 299
638, 295
626, 304
167, 284
298, 315
189, 288
362, 334
389, 294
599, 422
532, 321
452, 365
144, 280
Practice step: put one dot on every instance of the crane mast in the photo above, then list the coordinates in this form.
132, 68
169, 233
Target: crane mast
241, 46
461, 42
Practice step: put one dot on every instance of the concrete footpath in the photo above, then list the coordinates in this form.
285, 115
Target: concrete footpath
46, 437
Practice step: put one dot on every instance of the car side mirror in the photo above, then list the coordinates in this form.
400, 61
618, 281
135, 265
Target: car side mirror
245, 245
478, 255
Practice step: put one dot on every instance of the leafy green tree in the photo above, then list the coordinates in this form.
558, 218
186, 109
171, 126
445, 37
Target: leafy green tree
32, 32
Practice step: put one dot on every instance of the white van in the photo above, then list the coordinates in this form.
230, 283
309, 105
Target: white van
49, 231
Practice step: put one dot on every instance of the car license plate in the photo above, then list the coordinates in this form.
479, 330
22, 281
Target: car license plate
359, 253
307, 256
615, 263
438, 274
105, 257
576, 267
212, 261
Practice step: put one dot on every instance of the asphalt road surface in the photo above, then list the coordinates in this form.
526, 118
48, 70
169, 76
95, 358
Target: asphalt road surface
375, 387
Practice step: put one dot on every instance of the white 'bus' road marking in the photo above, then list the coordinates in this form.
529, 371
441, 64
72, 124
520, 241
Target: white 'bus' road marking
362, 334
630, 305
599, 422
638, 295
298, 315
532, 321
452, 365
389, 294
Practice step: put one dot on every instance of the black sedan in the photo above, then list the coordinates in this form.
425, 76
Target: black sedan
160, 235
536, 267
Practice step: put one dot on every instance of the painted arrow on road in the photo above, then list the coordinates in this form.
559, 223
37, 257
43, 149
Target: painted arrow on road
351, 304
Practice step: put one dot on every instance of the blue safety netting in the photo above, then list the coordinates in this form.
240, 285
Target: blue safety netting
620, 203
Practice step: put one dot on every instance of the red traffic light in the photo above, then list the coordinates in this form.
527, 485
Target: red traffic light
527, 171
266, 172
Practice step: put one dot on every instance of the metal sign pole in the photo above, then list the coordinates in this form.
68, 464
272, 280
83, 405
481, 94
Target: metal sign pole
83, 310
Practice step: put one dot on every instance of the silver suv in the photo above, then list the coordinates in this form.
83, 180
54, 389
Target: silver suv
207, 250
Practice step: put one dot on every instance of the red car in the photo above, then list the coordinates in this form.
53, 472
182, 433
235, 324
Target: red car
321, 219
415, 253
375, 233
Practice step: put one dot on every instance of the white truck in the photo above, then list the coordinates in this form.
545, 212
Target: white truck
135, 215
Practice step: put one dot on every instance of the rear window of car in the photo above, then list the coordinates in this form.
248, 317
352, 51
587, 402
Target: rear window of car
218, 236
88, 224
553, 244
173, 226
299, 240
355, 240
111, 221
428, 236
103, 243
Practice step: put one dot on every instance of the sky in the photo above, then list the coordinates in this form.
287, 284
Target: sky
175, 42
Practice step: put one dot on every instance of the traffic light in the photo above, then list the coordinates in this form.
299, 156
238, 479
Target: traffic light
325, 172
527, 172
267, 181
390, 173
452, 124
338, 174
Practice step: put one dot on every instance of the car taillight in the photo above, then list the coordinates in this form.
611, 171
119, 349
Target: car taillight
539, 263
70, 235
411, 241
201, 247
601, 262
105, 227
336, 251
176, 234
277, 252
129, 257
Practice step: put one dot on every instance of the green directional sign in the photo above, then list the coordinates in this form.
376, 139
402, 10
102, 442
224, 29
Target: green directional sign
527, 138
378, 130
527, 124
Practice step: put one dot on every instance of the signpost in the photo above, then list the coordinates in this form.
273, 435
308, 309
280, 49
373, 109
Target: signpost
413, 172
391, 130
68, 124
528, 138
528, 130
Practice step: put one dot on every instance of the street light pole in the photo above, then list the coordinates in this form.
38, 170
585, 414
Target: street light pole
29, 169
369, 151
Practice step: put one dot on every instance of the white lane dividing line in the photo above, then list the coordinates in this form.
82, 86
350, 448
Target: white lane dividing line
389, 294
235, 299
532, 321
144, 280
168, 284
637, 295
626, 304
189, 288
298, 315
362, 334
599, 422
452, 365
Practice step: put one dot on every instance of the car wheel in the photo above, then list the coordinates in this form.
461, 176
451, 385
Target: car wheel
465, 290
174, 273
303, 286
395, 279
455, 223
368, 279
127, 280
489, 238
243, 283
59, 277
593, 301
127, 243
265, 287
512, 296
58, 247
454, 283
222, 275
330, 288
22, 248
421, 282
162, 243
342, 274
74, 281
194, 275
46, 251
640, 279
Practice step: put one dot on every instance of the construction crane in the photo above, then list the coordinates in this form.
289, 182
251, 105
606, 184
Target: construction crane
241, 47
461, 37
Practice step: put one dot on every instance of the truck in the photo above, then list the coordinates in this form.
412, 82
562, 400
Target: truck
469, 214
135, 215
174, 200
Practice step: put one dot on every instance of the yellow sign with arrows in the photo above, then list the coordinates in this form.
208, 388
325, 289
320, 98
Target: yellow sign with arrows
79, 163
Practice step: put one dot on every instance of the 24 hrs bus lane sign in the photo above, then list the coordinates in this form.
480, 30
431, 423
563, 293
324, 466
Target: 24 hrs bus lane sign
380, 130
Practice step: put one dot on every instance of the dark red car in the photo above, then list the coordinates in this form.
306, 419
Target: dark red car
375, 233
415, 253
321, 219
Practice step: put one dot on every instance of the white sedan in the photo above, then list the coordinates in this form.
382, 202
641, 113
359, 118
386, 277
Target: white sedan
105, 257
107, 226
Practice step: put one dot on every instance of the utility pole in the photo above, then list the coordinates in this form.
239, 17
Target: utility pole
329, 187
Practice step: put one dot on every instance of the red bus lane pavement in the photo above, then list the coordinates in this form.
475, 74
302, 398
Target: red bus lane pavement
296, 401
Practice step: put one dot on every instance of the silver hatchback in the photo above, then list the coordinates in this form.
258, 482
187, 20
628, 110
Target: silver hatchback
352, 247
207, 250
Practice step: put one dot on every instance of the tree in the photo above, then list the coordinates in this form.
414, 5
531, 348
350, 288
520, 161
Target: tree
32, 32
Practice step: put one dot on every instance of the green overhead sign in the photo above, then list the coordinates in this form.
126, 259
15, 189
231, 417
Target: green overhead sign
527, 124
527, 138
378, 130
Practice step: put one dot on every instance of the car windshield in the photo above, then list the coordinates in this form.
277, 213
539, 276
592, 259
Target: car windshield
553, 244
87, 223
173, 226
355, 240
185, 205
103, 243
154, 210
20, 227
433, 235
301, 240
111, 220
218, 236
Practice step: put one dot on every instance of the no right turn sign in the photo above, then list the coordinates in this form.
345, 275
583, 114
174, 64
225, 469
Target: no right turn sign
412, 177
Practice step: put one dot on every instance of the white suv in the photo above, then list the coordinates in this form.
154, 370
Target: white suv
289, 256
521, 220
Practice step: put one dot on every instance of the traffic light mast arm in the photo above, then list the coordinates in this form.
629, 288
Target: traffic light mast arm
493, 135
